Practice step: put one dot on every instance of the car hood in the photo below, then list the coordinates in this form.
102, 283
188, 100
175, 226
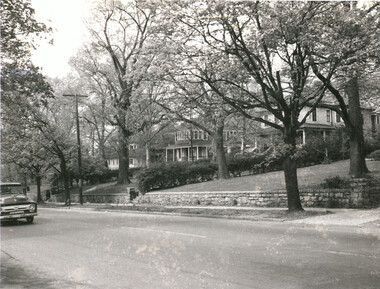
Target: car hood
13, 200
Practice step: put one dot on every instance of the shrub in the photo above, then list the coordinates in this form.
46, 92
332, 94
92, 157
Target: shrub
133, 193
134, 172
372, 143
310, 153
336, 182
170, 175
337, 145
375, 155
245, 162
314, 151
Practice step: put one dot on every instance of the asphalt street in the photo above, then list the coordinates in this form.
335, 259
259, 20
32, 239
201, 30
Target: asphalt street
90, 249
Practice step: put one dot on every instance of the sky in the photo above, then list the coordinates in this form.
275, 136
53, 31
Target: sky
66, 18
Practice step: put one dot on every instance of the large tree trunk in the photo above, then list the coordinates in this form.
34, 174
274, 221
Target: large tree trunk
38, 181
290, 172
102, 138
123, 177
358, 166
220, 154
65, 176
103, 153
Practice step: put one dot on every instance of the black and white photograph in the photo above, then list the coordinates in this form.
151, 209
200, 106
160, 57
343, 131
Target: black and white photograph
185, 144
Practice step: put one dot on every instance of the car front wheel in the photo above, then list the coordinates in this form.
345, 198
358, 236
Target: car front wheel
29, 220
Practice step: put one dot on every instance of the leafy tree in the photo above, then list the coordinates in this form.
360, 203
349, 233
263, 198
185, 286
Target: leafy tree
57, 131
193, 102
349, 49
24, 147
22, 88
99, 85
148, 120
18, 27
266, 43
191, 72
121, 32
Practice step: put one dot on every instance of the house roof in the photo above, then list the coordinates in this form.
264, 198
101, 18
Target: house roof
318, 126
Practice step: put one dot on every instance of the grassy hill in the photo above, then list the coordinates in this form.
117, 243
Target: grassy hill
309, 177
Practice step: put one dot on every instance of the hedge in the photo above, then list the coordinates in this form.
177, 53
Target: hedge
171, 175
243, 163
375, 155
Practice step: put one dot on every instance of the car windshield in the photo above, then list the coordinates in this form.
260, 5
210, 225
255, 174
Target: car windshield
11, 189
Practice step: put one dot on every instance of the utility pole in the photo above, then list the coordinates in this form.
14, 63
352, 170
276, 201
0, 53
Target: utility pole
80, 172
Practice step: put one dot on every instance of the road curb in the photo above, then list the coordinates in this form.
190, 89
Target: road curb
243, 213
342, 217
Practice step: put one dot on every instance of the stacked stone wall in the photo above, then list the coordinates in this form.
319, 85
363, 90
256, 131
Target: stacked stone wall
359, 195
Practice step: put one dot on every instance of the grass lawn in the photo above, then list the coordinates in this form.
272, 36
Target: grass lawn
309, 177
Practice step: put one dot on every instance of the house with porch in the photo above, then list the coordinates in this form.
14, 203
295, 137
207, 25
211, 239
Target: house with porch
194, 144
323, 121
137, 157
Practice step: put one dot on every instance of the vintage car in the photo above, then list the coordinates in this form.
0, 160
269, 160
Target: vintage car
14, 203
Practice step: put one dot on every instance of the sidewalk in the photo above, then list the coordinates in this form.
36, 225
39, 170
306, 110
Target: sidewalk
317, 216
345, 217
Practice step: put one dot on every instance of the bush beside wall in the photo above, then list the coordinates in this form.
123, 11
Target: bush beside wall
375, 155
170, 175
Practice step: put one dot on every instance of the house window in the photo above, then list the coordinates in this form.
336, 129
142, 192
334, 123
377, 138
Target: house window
266, 117
131, 161
314, 115
205, 136
328, 115
338, 119
196, 134
180, 135
133, 146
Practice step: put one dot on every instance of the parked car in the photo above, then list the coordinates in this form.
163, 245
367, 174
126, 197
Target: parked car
14, 204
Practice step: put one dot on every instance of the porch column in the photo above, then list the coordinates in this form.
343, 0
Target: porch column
197, 152
166, 155
303, 136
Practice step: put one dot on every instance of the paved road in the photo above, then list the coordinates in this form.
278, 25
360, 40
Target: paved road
88, 249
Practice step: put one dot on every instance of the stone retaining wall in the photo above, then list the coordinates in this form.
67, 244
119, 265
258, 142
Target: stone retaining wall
360, 195
110, 198
96, 198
